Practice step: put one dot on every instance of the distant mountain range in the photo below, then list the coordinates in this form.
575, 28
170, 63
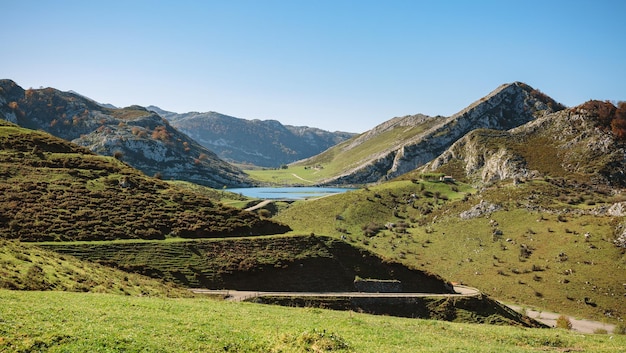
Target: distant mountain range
264, 143
200, 147
163, 143
139, 137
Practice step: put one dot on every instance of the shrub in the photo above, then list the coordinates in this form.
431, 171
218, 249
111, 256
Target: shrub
563, 322
525, 251
371, 229
161, 133
264, 213
609, 117
322, 341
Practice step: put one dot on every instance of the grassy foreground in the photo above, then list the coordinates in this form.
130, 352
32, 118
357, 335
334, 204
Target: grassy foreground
76, 322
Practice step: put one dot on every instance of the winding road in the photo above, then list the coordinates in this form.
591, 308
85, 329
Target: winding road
259, 205
548, 318
236, 295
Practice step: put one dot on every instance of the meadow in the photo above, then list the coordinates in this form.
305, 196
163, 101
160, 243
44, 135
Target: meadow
76, 322
542, 245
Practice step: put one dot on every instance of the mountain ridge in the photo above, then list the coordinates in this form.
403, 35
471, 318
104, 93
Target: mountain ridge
140, 137
569, 142
263, 143
507, 106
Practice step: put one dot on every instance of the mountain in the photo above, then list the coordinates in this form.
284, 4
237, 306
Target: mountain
534, 215
264, 143
54, 190
405, 143
584, 143
138, 136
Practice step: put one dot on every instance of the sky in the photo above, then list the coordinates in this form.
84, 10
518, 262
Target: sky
337, 65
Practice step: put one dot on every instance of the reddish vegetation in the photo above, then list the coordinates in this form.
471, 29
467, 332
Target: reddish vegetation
610, 117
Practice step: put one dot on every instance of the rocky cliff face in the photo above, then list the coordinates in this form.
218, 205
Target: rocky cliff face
508, 106
140, 137
265, 143
565, 143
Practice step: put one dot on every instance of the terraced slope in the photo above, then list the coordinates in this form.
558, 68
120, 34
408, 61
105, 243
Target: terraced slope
28, 267
296, 263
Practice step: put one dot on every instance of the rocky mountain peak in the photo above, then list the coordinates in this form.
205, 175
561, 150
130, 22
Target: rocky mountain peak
582, 142
140, 137
508, 106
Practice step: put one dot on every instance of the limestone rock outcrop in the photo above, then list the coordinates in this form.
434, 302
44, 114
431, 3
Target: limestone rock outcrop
139, 137
507, 107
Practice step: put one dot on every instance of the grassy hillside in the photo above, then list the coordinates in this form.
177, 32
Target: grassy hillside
294, 263
342, 157
63, 322
403, 203
54, 190
524, 243
27, 267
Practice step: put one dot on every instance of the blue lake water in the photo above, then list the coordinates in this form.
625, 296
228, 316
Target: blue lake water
290, 193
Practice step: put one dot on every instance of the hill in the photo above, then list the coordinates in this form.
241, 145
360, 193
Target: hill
264, 143
140, 137
27, 267
576, 144
403, 144
54, 190
543, 242
294, 263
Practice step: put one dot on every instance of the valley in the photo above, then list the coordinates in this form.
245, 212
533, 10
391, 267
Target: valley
516, 195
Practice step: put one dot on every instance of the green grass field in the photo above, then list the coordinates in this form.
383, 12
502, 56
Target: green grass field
294, 175
24, 266
75, 322
516, 254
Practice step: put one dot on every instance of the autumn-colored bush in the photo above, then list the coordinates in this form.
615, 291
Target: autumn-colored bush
609, 117
161, 133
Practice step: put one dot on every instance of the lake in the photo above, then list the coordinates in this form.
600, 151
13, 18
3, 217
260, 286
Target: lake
290, 193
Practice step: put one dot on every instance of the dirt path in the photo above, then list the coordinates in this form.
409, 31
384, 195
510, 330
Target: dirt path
301, 178
236, 295
549, 318
259, 205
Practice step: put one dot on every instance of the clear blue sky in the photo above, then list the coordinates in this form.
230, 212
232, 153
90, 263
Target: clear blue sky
336, 65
